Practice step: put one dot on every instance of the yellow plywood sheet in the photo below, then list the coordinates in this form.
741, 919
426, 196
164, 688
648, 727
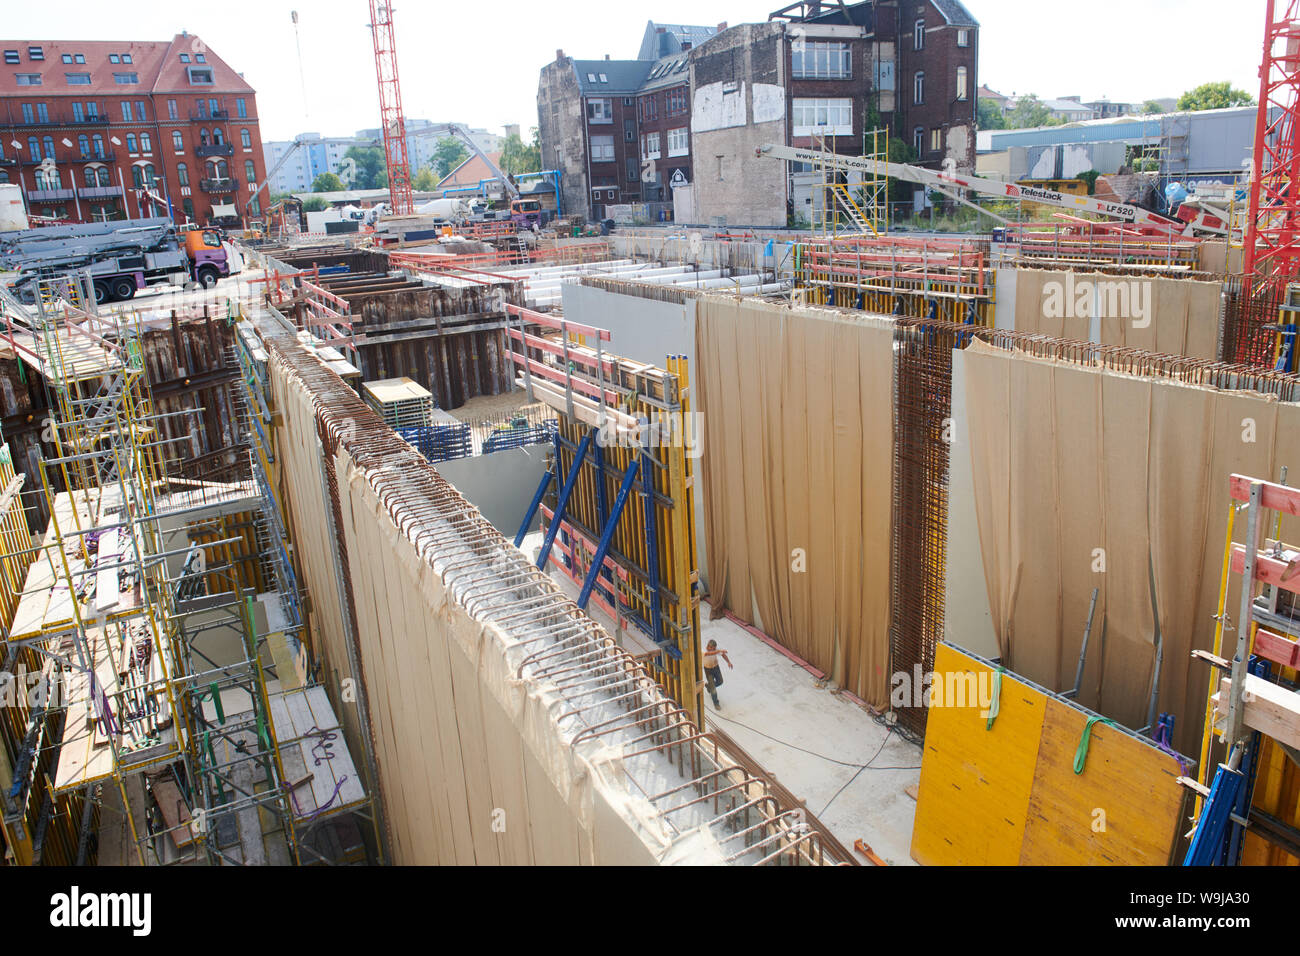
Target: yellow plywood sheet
976, 782
1010, 795
1123, 809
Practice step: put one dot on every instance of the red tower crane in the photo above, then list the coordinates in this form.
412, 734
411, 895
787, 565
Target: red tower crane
1272, 240
390, 109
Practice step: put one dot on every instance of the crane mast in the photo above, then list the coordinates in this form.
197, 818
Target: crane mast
392, 121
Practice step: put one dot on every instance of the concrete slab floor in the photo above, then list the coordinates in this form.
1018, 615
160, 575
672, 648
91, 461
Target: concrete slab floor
849, 769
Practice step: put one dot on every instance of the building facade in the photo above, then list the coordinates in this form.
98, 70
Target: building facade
100, 130
814, 74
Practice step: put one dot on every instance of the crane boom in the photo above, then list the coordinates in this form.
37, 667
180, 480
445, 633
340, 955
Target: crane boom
993, 187
391, 120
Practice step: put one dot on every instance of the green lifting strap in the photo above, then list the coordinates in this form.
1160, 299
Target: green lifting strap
1081, 754
262, 735
995, 695
216, 702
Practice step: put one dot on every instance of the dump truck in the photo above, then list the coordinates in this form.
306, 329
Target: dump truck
122, 257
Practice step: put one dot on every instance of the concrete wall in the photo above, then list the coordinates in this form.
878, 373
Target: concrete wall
501, 485
560, 131
967, 622
738, 103
647, 330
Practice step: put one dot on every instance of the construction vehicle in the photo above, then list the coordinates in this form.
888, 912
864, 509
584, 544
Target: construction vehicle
526, 213
121, 257
1202, 221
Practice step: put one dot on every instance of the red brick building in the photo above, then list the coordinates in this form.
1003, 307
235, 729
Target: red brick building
98, 130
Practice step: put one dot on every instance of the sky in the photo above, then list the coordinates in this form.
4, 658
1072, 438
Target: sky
477, 63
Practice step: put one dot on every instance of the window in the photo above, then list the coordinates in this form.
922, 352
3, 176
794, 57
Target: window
77, 79
146, 143
126, 57
67, 58
28, 79
918, 35
83, 145
676, 101
114, 58
651, 148
604, 78
602, 149
79, 58
255, 206
214, 107
42, 113
140, 115
245, 139
918, 88
200, 58
178, 141
599, 111
250, 171
202, 106
126, 112
182, 174
28, 116
823, 61
35, 53
137, 177
961, 82
131, 146
200, 77
49, 147
241, 108
185, 58
98, 141
126, 79
963, 38
90, 177
629, 132
92, 112
203, 137
171, 110
627, 101
649, 107
34, 148
78, 114
188, 205
679, 142
217, 137
103, 175
11, 56
936, 140
823, 116
632, 170
918, 140
591, 77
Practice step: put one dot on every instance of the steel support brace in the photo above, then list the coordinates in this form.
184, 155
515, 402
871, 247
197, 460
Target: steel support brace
541, 493
572, 479
607, 535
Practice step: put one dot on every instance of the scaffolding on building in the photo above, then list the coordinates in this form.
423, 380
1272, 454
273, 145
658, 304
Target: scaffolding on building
153, 607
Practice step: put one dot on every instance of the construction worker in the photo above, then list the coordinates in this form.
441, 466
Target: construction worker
712, 672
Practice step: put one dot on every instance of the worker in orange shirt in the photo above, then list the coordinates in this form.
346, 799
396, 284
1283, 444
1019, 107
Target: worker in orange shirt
712, 672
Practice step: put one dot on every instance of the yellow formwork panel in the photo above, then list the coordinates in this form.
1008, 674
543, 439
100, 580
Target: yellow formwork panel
976, 782
1124, 809
1009, 795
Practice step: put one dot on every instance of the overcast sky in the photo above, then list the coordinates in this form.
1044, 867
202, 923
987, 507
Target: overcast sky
477, 62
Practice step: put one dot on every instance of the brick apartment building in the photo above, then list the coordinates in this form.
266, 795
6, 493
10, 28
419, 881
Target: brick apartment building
815, 71
99, 130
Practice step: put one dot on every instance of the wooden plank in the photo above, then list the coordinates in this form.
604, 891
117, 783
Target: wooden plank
1269, 708
1283, 573
174, 810
107, 580
1277, 497
1276, 648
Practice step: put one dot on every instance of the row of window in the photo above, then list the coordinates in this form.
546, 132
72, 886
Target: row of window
133, 111
675, 104
918, 86
143, 174
918, 36
821, 61
679, 143
93, 145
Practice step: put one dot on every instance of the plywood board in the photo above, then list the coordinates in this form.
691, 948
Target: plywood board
975, 782
1123, 809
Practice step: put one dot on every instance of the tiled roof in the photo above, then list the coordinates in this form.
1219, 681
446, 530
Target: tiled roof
611, 76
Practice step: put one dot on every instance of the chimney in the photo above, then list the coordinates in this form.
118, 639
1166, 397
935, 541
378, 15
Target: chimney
722, 26
559, 54
686, 45
661, 30
606, 56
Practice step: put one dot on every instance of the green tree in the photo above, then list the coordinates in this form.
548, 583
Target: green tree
447, 155
988, 115
326, 183
368, 162
1030, 111
424, 181
1214, 96
517, 158
1151, 106
314, 204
